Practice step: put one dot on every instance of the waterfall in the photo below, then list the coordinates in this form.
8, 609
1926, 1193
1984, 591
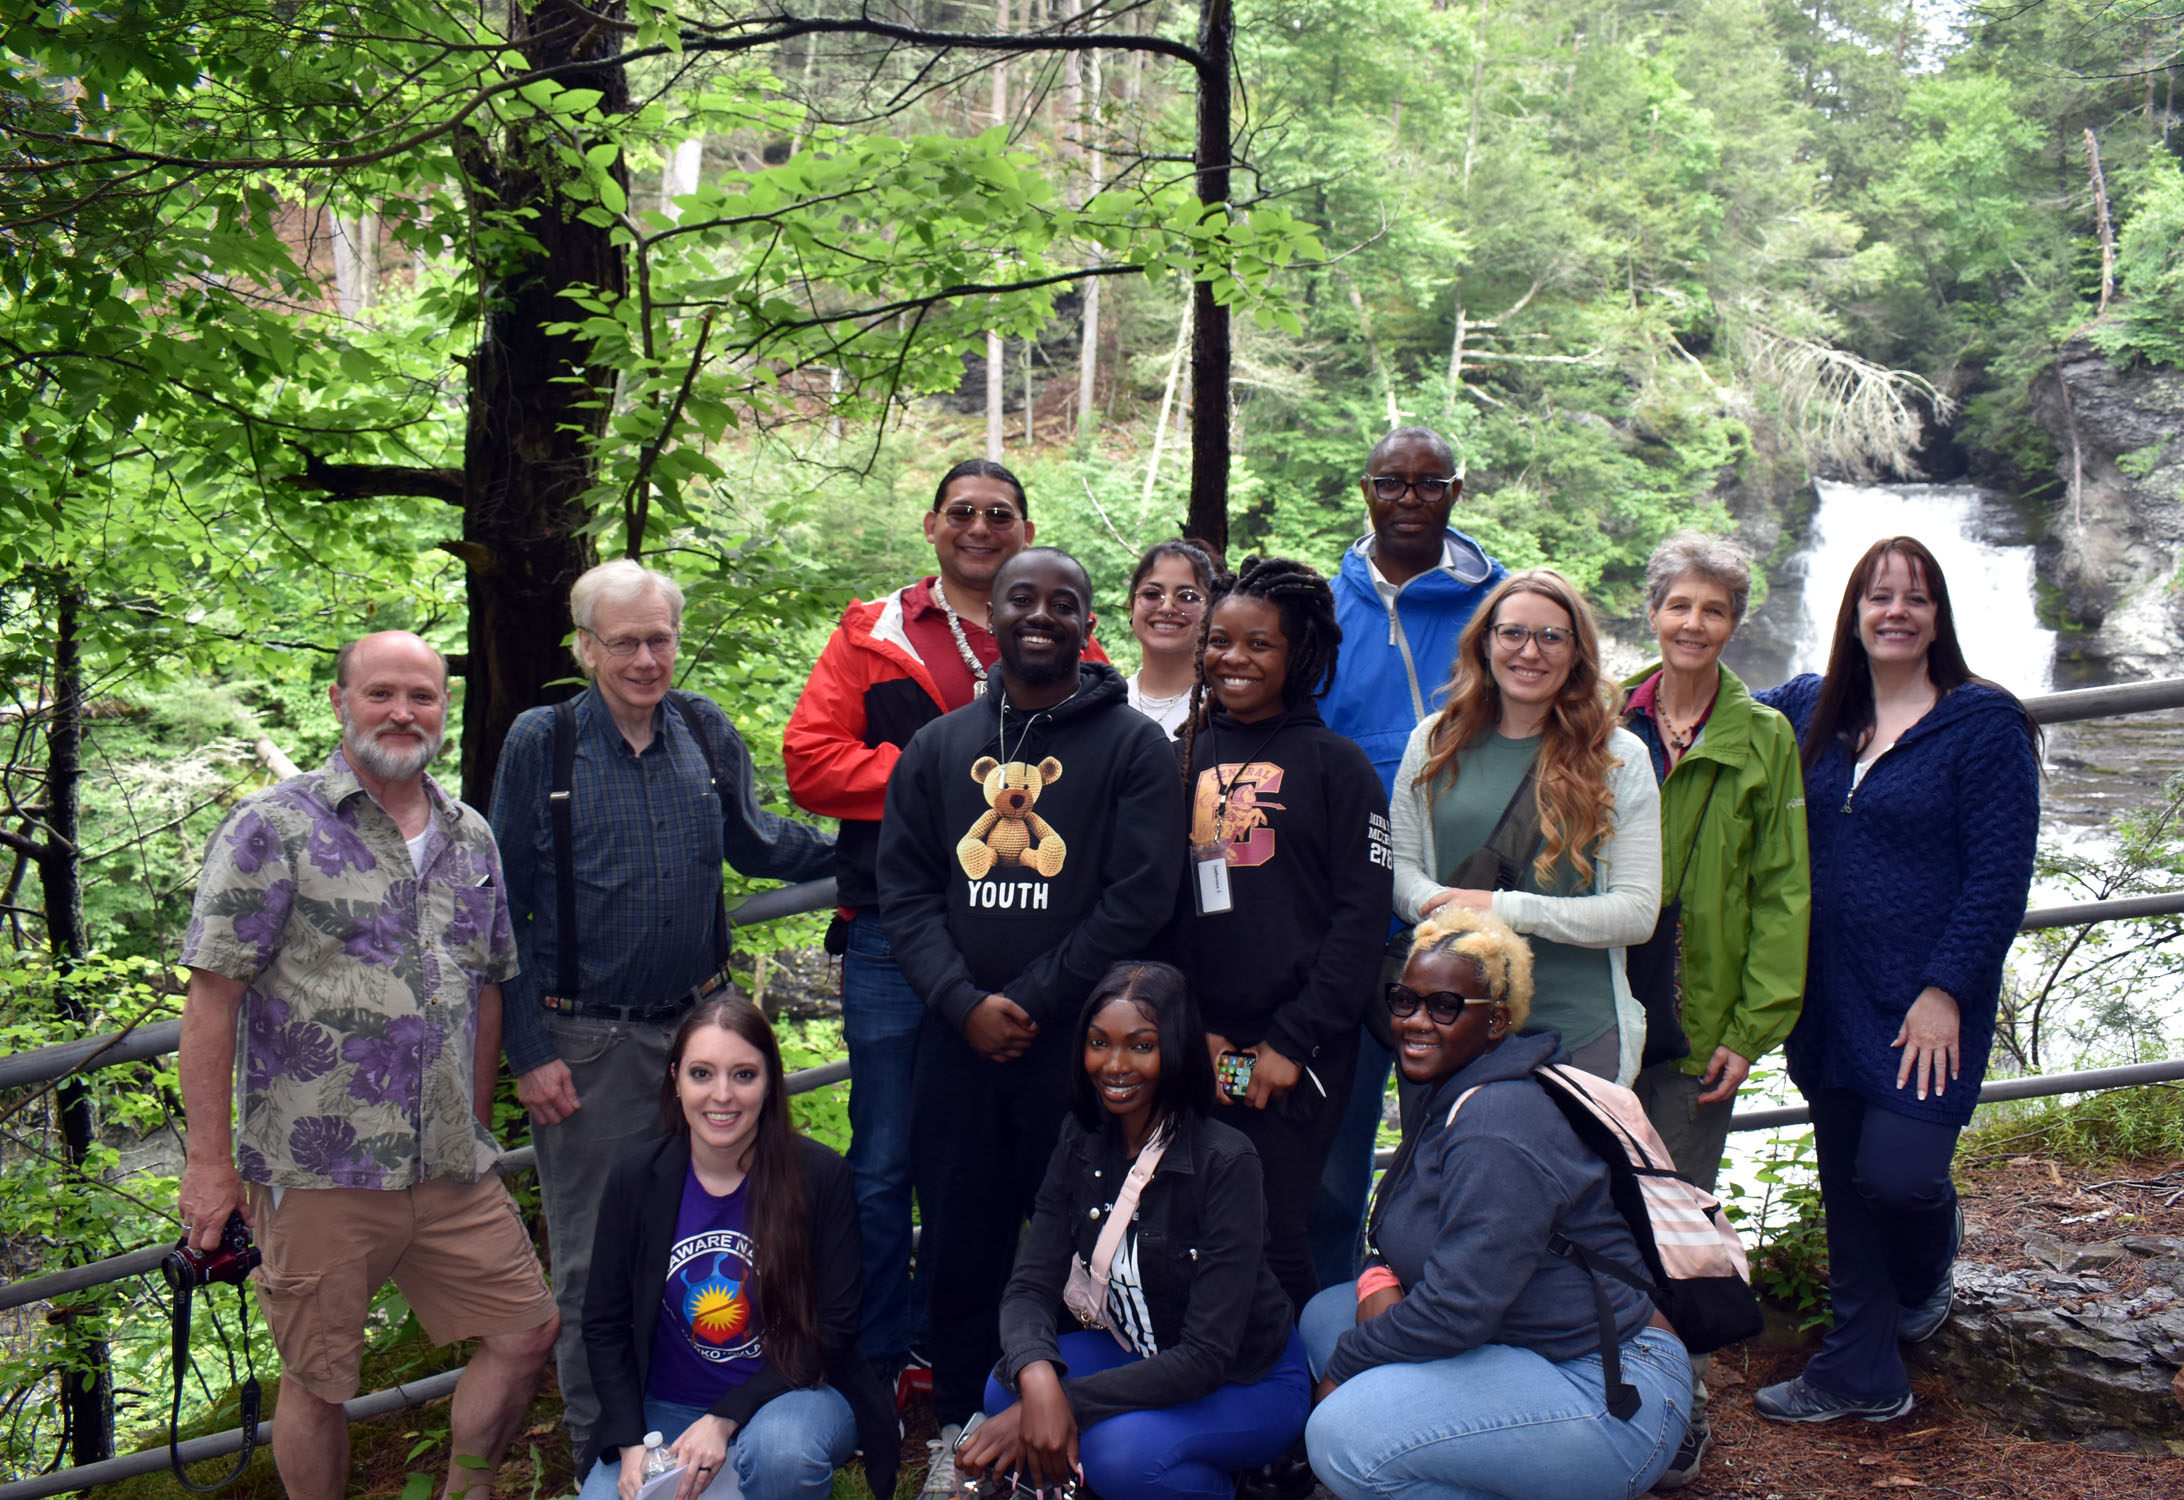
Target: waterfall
1984, 556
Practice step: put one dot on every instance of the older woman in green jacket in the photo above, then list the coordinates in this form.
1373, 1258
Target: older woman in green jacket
1733, 845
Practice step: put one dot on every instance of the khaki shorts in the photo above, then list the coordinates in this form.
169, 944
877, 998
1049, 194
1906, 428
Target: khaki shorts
457, 1250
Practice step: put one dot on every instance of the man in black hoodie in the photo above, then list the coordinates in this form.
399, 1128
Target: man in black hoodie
1031, 839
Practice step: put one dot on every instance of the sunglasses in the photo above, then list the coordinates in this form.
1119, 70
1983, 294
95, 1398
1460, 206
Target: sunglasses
1442, 1006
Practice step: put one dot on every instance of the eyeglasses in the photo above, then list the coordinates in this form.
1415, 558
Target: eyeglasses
1000, 517
1443, 1006
1155, 595
1391, 488
1553, 639
626, 645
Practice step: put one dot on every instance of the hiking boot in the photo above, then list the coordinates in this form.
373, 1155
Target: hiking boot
1799, 1400
1922, 1320
1690, 1453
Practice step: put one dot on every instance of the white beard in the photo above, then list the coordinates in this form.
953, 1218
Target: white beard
386, 764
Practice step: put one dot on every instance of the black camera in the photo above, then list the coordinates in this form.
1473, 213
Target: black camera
234, 1258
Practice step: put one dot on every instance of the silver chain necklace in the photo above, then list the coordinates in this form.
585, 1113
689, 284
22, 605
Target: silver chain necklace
962, 642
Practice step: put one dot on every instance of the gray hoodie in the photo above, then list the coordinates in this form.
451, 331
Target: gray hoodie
1466, 1226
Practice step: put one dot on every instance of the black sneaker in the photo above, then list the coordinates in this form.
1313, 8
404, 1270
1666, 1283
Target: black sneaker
1922, 1320
1289, 1477
1800, 1401
1690, 1453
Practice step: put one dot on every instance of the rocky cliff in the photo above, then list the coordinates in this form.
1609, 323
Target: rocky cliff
2116, 540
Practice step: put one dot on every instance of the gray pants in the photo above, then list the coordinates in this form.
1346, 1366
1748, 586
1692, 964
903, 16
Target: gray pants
617, 1067
1695, 1134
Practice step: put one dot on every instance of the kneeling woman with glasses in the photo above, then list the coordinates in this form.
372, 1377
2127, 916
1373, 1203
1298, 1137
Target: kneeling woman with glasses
1150, 1233
1465, 1361
1522, 798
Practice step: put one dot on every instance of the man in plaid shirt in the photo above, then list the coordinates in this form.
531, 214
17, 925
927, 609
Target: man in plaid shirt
649, 830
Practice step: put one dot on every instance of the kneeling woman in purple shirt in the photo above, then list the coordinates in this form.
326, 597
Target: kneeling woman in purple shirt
721, 1308
1186, 1369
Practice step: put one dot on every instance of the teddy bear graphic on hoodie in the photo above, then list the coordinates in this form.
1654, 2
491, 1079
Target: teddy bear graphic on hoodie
1009, 832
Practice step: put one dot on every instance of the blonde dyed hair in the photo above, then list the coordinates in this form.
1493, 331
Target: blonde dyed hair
1576, 804
1502, 955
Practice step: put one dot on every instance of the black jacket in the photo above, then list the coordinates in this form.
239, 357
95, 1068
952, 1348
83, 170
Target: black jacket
629, 1267
1218, 1314
1311, 879
1094, 772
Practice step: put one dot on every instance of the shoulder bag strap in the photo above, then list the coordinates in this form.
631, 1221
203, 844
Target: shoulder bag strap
558, 805
1517, 834
685, 702
1126, 1201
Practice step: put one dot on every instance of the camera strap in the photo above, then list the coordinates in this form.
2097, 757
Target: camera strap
181, 1323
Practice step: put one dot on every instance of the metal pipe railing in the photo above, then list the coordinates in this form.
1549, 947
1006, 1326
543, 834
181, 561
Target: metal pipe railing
219, 1444
2106, 702
138, 1262
46, 1064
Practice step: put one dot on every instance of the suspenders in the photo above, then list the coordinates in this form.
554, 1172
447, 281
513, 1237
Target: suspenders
559, 803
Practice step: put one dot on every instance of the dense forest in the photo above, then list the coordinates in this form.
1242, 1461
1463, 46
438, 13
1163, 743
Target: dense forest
321, 317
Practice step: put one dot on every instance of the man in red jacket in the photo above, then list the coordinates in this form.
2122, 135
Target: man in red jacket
894, 664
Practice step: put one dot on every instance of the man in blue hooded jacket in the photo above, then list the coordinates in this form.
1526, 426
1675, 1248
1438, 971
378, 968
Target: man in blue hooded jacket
1402, 596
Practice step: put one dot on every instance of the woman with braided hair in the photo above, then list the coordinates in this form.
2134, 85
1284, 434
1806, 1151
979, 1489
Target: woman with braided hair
1284, 909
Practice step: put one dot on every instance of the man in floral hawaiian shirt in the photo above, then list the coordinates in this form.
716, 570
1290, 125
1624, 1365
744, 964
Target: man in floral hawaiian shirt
352, 920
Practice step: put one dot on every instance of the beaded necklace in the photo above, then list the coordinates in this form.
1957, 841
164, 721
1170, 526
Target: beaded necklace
962, 642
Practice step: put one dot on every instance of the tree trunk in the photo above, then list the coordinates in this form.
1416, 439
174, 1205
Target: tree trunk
1082, 72
528, 451
1212, 352
87, 1389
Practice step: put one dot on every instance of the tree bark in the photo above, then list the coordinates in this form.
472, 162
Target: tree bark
87, 1390
528, 450
1212, 351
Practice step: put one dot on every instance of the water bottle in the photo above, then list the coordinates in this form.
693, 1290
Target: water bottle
658, 1460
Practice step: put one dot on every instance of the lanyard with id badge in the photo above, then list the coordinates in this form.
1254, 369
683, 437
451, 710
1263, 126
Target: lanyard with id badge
1210, 861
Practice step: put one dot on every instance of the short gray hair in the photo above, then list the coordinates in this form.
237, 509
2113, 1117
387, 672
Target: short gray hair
623, 581
1716, 559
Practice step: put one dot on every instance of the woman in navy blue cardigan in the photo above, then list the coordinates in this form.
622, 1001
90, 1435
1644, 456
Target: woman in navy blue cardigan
1923, 806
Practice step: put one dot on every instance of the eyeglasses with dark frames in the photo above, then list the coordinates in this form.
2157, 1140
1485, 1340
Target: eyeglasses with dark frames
1442, 1006
1430, 491
1552, 639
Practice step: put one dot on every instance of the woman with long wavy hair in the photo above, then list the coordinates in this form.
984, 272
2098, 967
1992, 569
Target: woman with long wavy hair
721, 1308
1522, 798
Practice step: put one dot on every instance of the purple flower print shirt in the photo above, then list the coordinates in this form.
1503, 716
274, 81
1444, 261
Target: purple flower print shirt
358, 1028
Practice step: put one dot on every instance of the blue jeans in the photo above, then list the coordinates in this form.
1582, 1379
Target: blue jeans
1493, 1421
1184, 1452
789, 1449
1338, 1213
1891, 1214
880, 1015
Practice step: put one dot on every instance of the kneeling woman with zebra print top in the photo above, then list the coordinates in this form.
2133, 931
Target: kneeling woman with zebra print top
1149, 1242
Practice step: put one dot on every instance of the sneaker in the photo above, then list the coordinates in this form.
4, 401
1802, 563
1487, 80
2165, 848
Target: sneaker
1801, 1401
1922, 1320
1684, 1467
940, 1474
1287, 1478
